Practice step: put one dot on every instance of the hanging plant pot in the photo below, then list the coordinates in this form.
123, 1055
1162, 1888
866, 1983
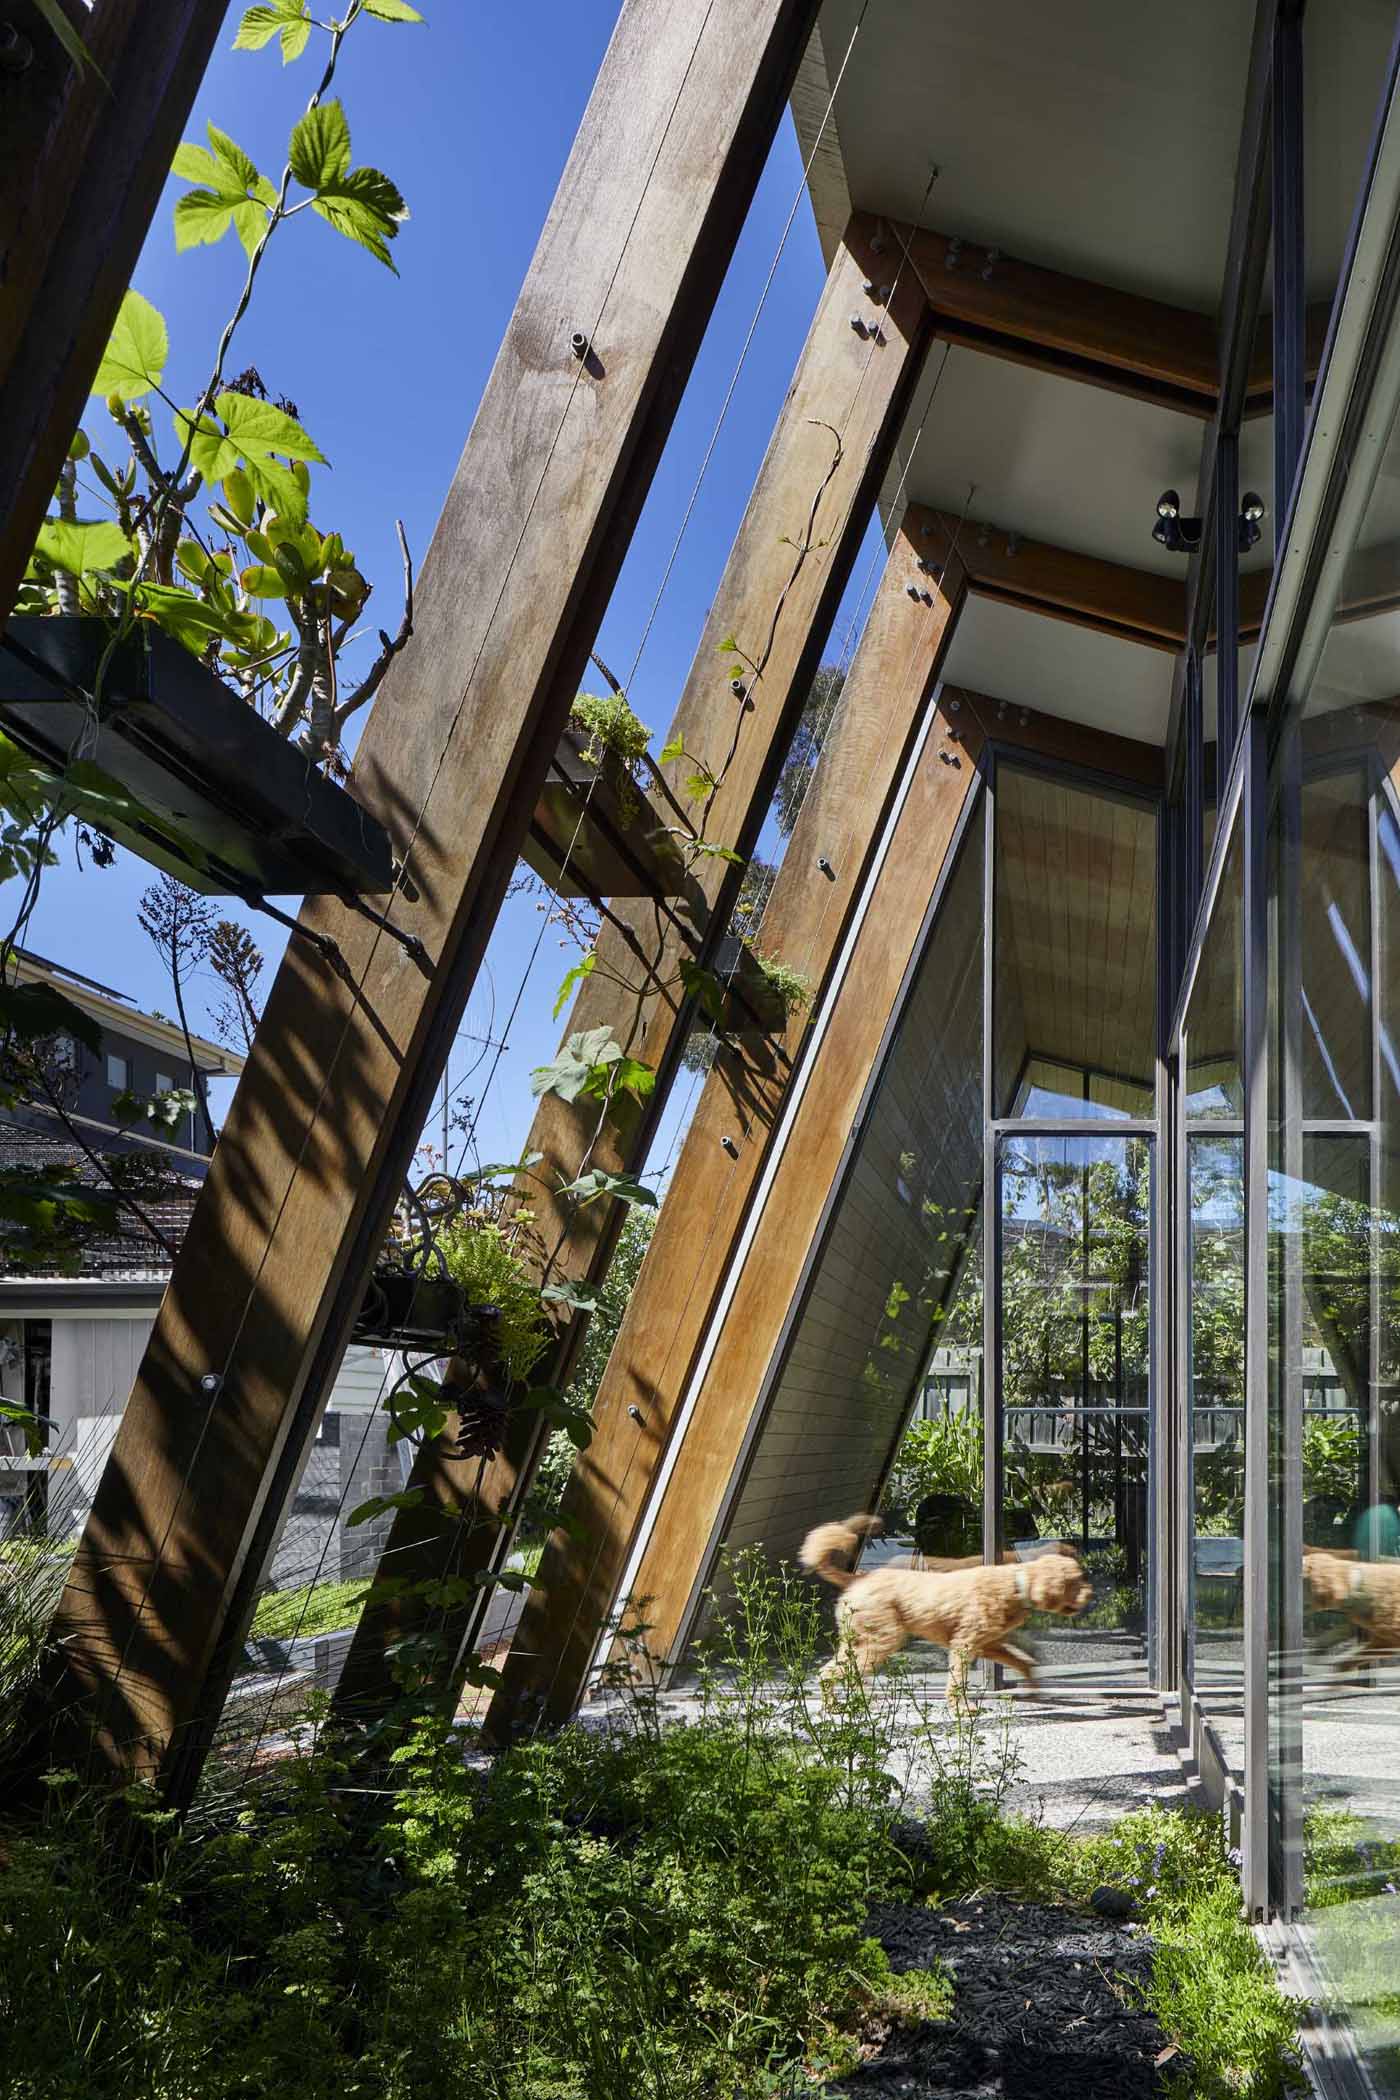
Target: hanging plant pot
404, 1311
752, 1005
595, 833
179, 768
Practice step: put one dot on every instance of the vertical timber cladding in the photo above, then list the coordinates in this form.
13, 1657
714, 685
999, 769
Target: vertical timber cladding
882, 710
83, 157
323, 1125
781, 585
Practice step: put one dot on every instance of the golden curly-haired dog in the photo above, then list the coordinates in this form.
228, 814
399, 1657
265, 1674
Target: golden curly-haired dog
1368, 1591
970, 1611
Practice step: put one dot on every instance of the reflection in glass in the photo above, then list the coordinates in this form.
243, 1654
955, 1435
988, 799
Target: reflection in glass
1074, 1340
1215, 1020
1074, 997
1215, 1597
894, 1306
1334, 1303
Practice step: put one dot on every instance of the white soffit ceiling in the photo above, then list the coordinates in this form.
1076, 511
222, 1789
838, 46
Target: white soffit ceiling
1054, 459
1097, 136
1072, 672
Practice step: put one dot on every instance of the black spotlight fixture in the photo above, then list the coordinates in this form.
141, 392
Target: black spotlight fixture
1252, 512
1177, 534
1183, 535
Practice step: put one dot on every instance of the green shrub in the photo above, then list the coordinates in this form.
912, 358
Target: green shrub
791, 986
611, 726
662, 1912
481, 1259
942, 1456
1211, 1988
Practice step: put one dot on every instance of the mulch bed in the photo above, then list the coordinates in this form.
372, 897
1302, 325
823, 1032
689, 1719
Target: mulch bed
1045, 2008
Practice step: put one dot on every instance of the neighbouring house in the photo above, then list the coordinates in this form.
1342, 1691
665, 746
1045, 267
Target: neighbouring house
71, 1343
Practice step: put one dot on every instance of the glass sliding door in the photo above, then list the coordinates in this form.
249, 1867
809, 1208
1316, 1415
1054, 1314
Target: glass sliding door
1074, 1214
1072, 1103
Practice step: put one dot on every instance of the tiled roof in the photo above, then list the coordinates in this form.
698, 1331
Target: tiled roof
164, 1195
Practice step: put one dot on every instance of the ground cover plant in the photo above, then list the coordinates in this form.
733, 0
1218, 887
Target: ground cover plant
664, 1909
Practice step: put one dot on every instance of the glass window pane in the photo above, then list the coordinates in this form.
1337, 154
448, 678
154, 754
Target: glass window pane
1334, 1285
1075, 985
891, 1322
1215, 1600
1215, 1016
1074, 1326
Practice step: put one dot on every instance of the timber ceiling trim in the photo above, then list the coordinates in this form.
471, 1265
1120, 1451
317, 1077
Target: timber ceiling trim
1135, 605
1145, 348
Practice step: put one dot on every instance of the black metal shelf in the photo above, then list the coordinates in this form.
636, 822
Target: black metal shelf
595, 832
225, 803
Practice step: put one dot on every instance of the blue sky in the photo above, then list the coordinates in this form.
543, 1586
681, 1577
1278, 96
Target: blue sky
472, 115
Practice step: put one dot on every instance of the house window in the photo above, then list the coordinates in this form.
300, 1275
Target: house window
164, 1083
118, 1072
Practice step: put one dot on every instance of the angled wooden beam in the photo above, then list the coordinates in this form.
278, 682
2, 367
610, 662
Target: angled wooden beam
1137, 605
1061, 323
804, 522
82, 162
884, 707
327, 1114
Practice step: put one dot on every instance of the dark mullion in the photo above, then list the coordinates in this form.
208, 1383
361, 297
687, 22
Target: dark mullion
1227, 606
1195, 786
1288, 317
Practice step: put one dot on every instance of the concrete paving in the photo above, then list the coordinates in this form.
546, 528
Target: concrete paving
1074, 1756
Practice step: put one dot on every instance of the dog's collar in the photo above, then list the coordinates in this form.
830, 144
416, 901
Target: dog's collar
1022, 1580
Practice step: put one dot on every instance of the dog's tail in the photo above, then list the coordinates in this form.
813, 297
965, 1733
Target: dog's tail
829, 1550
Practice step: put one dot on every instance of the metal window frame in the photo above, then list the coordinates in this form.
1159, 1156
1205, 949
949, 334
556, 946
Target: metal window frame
1325, 467
1018, 759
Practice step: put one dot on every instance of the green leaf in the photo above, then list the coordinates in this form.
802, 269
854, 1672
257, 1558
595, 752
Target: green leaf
52, 13
134, 360
24, 1418
392, 11
407, 1498
259, 581
366, 207
255, 432
231, 192
587, 1188
361, 203
630, 1076
577, 1296
705, 988
579, 970
319, 151
79, 548
288, 19
672, 751
34, 1010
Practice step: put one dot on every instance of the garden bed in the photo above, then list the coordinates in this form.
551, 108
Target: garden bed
1046, 2001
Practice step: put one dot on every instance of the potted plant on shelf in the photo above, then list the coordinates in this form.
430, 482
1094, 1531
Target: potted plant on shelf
595, 832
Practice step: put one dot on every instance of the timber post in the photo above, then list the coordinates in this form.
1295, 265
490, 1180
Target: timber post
83, 157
